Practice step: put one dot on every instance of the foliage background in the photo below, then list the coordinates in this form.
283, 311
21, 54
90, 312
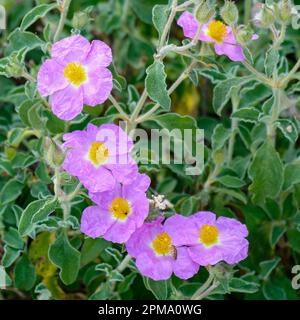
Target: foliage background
269, 205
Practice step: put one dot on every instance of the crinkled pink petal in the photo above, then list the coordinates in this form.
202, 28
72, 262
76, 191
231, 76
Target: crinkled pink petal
98, 180
182, 230
155, 267
100, 55
95, 222
233, 51
67, 103
184, 267
71, 49
98, 87
120, 231
206, 256
50, 78
188, 23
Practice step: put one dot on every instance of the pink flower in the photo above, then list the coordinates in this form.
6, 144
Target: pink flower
76, 75
209, 240
99, 157
215, 32
156, 253
119, 212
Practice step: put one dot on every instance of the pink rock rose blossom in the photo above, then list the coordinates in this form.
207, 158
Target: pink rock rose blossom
215, 32
76, 75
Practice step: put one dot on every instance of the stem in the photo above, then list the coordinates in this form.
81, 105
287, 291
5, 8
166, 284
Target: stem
205, 285
173, 87
247, 8
118, 107
123, 265
139, 106
185, 5
207, 291
63, 15
234, 123
168, 25
271, 129
291, 74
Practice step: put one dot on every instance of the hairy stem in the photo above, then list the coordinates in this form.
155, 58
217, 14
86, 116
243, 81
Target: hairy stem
118, 107
63, 15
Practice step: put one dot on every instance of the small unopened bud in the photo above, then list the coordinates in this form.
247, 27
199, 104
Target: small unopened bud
230, 13
54, 154
14, 68
244, 34
204, 12
265, 18
285, 12
80, 20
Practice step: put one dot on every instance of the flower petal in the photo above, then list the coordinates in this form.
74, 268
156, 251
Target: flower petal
184, 267
95, 222
120, 231
156, 268
50, 78
98, 87
100, 55
66, 104
71, 49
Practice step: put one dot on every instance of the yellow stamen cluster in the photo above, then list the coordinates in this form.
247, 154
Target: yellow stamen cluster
217, 31
120, 208
75, 73
98, 153
162, 244
208, 235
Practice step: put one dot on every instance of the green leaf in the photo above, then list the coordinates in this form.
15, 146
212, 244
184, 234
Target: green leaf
160, 17
231, 182
223, 90
22, 39
91, 249
294, 239
36, 211
240, 285
266, 173
273, 292
10, 256
66, 258
36, 13
247, 115
271, 61
25, 276
156, 84
288, 129
127, 282
277, 231
11, 191
267, 267
291, 175
189, 205
233, 193
13, 239
160, 289
219, 137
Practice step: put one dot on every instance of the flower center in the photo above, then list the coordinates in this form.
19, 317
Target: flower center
208, 235
75, 73
217, 30
98, 153
120, 208
162, 244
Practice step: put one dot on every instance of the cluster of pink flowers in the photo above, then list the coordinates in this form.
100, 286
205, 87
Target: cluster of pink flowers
100, 158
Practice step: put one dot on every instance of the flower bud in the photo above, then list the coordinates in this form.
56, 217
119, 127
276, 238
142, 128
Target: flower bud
80, 20
15, 67
53, 155
265, 17
244, 34
285, 12
204, 12
230, 13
